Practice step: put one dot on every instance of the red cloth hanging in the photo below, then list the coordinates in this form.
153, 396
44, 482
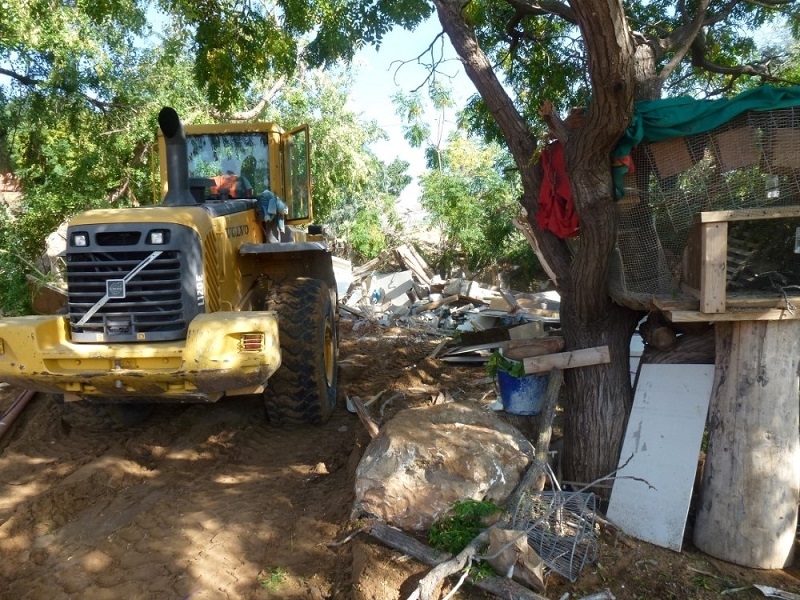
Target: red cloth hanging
556, 207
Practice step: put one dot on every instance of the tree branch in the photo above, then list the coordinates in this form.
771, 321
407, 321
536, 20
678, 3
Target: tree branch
432, 67
124, 188
394, 538
682, 40
23, 79
753, 69
252, 113
538, 9
731, 5
521, 143
32, 82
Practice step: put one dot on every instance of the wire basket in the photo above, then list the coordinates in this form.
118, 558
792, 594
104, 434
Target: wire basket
560, 529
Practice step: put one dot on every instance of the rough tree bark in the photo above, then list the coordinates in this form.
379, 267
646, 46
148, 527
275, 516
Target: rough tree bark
747, 512
600, 396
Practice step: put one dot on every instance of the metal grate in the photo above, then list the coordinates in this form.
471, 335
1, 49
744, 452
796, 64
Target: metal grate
150, 302
212, 267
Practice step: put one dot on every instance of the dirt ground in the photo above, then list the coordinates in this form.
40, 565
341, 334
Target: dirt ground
211, 502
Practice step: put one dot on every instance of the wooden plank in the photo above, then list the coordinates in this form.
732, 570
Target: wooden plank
736, 148
414, 262
366, 268
781, 149
665, 303
465, 358
713, 270
567, 360
734, 301
758, 301
509, 297
434, 304
748, 214
522, 349
744, 251
475, 348
670, 157
742, 314
651, 494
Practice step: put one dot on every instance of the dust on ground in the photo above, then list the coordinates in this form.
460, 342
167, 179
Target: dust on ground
211, 502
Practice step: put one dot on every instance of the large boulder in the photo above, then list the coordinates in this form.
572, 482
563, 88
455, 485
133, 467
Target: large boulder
425, 459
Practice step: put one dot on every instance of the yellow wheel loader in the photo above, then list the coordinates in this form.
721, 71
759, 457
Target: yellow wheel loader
217, 291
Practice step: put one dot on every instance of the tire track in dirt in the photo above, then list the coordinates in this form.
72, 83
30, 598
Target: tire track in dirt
201, 501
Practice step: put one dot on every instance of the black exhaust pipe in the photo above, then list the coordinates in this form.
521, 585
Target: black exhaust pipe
178, 193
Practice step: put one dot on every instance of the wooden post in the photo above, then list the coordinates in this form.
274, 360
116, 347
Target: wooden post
714, 267
747, 512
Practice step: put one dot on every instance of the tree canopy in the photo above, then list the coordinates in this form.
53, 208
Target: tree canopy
81, 85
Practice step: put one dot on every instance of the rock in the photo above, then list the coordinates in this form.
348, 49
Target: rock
427, 458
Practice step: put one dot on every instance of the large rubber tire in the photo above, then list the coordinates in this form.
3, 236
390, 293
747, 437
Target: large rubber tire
101, 416
303, 389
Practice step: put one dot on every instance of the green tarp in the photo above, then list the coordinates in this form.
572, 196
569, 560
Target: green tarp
659, 120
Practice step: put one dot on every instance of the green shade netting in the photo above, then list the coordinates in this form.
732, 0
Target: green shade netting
659, 120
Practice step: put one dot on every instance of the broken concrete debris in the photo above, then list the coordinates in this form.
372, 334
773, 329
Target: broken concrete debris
399, 288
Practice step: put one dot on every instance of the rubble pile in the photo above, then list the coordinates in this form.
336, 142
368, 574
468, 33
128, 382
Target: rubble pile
400, 289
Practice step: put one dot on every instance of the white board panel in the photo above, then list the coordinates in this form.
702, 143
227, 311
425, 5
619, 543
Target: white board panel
662, 441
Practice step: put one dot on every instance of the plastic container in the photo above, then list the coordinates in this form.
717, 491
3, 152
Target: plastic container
522, 395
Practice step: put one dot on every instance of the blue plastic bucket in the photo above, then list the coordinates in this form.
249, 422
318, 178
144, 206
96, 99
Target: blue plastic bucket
522, 395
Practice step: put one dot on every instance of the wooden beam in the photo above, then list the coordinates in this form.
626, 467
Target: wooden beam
714, 265
366, 420
567, 360
522, 349
409, 257
434, 304
755, 314
749, 214
734, 301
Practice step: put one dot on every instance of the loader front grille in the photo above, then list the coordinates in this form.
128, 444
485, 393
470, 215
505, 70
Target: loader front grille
122, 292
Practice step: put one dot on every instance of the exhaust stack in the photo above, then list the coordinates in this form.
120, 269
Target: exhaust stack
177, 159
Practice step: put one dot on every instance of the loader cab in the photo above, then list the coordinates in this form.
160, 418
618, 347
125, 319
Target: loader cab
243, 160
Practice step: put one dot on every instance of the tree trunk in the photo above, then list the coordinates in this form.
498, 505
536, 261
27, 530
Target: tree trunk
599, 397
751, 482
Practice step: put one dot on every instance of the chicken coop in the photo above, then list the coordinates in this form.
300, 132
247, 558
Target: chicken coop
709, 222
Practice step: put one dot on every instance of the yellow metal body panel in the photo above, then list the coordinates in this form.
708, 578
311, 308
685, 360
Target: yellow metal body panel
37, 354
190, 216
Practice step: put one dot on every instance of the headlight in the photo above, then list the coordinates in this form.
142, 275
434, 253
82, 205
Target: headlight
80, 239
158, 237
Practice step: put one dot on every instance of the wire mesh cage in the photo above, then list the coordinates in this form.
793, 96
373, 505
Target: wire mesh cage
753, 161
560, 528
